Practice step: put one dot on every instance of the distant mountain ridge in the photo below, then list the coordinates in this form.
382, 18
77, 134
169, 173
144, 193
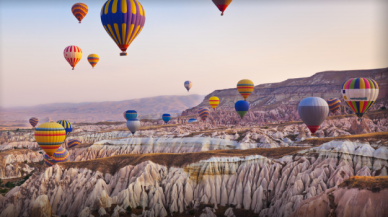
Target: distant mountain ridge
325, 84
102, 111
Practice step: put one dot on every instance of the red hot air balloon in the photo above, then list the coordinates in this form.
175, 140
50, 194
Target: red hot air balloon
222, 5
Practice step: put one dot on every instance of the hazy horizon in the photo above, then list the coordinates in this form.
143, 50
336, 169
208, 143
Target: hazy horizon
263, 41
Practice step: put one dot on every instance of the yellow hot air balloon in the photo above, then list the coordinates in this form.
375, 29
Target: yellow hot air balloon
214, 101
50, 136
93, 59
245, 88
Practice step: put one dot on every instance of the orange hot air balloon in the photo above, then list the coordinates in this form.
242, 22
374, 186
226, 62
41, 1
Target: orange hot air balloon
222, 5
214, 101
79, 10
245, 88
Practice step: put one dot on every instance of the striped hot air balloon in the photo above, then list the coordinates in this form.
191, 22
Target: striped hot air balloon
49, 161
313, 111
334, 104
241, 107
214, 101
50, 136
67, 125
79, 10
222, 5
61, 155
203, 113
245, 88
73, 55
360, 94
93, 59
188, 85
166, 118
73, 142
130, 114
123, 20
33, 121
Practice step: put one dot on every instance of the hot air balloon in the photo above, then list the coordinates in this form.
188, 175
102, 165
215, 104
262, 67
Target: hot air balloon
67, 125
130, 114
360, 94
188, 85
166, 118
241, 107
61, 155
123, 20
33, 121
50, 136
133, 125
222, 5
191, 120
203, 113
79, 10
245, 88
214, 101
313, 111
73, 142
73, 55
93, 59
334, 104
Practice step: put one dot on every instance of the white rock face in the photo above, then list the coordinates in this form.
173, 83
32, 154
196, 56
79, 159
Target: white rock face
268, 187
41, 207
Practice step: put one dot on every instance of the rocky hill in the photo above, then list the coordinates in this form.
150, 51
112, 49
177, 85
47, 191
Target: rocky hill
289, 93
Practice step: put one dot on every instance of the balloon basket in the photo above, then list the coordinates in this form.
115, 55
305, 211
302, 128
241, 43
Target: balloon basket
123, 54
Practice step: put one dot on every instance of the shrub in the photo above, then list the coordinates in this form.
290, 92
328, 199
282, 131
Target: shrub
25, 161
265, 127
24, 147
129, 209
191, 212
139, 207
15, 147
383, 108
10, 185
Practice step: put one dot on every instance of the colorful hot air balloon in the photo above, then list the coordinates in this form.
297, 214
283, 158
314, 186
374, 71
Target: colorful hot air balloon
191, 120
33, 121
133, 125
123, 20
73, 142
360, 94
222, 5
241, 107
334, 104
214, 101
73, 55
130, 114
93, 59
313, 111
188, 85
245, 88
61, 155
79, 10
166, 118
67, 125
50, 136
203, 113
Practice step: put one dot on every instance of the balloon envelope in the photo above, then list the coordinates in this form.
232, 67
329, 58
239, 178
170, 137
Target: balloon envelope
203, 113
245, 88
61, 155
33, 121
50, 136
133, 125
334, 104
166, 117
73, 142
191, 120
79, 10
241, 107
360, 94
313, 111
73, 55
130, 114
123, 20
188, 85
214, 101
93, 59
222, 5
67, 125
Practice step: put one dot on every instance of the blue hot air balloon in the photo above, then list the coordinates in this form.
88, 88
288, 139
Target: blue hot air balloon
166, 118
241, 107
192, 120
130, 114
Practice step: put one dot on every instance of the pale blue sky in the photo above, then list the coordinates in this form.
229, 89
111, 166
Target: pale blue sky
265, 41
